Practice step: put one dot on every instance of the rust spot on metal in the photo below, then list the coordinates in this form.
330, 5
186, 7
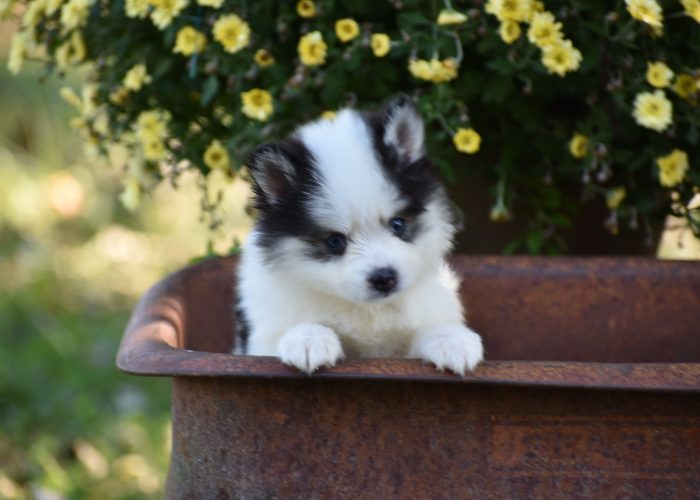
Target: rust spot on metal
524, 424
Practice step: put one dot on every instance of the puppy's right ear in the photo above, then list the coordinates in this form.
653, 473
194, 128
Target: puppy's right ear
272, 172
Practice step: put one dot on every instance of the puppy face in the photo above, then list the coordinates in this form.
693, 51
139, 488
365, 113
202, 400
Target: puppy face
349, 208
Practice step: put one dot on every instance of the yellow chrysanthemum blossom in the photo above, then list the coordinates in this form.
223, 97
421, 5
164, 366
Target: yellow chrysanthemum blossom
137, 8
165, 11
153, 148
69, 95
216, 4
381, 44
561, 57
647, 11
152, 123
653, 110
19, 49
71, 52
448, 17
34, 13
510, 10
312, 49
232, 32
658, 74
263, 58
306, 8
509, 31
328, 115
118, 96
52, 6
672, 168
685, 86
136, 78
216, 156
257, 104
499, 212
74, 14
692, 8
467, 140
189, 41
544, 29
614, 197
346, 29
435, 70
578, 145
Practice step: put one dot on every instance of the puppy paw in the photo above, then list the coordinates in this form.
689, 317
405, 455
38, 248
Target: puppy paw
453, 347
309, 346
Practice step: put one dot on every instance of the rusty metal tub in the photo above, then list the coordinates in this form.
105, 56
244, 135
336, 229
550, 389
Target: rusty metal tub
591, 390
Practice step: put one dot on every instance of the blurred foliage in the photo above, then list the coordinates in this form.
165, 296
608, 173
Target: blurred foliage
556, 96
73, 262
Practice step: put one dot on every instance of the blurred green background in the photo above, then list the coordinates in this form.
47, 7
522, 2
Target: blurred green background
73, 263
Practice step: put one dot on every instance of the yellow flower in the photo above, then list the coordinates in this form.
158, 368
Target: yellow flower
653, 110
544, 30
658, 74
450, 16
136, 78
509, 31
312, 49
647, 11
510, 10
692, 8
685, 86
435, 71
381, 44
118, 96
578, 145
211, 3
136, 8
71, 52
18, 52
346, 29
672, 168
189, 41
151, 124
499, 212
232, 32
614, 197
75, 13
561, 57
165, 11
306, 8
216, 156
467, 140
263, 58
35, 11
153, 148
69, 95
257, 104
51, 6
328, 115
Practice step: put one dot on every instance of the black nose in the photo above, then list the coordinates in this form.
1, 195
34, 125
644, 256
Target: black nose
384, 280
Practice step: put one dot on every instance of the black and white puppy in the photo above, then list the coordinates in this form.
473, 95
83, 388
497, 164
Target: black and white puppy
347, 256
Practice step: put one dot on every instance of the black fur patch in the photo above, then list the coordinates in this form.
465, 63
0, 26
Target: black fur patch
289, 216
415, 180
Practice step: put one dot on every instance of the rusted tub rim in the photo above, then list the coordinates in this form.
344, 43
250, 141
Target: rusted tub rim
150, 348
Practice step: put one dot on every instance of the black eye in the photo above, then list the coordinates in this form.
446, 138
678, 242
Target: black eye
397, 225
336, 243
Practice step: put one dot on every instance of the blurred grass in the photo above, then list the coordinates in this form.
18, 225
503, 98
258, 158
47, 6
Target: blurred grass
73, 262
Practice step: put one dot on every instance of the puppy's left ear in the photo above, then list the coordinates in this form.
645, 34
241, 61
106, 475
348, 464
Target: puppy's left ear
404, 129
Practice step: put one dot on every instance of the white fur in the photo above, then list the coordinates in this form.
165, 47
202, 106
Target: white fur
311, 313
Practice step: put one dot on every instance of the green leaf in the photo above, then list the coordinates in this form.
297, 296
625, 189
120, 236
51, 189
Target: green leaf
211, 87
